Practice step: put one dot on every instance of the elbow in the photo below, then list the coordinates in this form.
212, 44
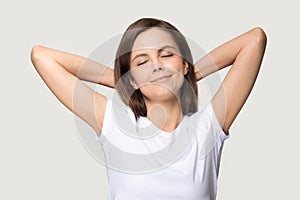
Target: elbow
259, 36
35, 54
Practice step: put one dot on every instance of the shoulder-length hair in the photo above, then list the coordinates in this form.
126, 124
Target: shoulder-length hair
134, 98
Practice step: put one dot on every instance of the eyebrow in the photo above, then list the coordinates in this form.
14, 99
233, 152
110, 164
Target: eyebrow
160, 50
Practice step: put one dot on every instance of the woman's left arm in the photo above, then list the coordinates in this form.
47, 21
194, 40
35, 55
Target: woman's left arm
245, 54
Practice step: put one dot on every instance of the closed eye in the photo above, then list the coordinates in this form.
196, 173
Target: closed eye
142, 63
169, 55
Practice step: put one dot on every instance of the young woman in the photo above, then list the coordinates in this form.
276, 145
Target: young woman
158, 145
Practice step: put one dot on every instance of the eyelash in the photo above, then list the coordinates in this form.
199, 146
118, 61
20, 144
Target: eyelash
165, 56
169, 55
142, 63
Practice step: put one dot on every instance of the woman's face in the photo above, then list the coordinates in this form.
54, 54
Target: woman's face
156, 65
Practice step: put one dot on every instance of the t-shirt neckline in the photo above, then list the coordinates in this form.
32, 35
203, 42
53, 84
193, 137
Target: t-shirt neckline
165, 133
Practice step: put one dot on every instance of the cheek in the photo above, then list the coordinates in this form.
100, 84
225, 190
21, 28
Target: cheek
176, 65
179, 78
140, 74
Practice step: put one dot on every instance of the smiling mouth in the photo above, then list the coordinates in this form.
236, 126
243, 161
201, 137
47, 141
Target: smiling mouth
161, 79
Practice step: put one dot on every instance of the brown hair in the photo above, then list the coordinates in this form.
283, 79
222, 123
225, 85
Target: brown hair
134, 98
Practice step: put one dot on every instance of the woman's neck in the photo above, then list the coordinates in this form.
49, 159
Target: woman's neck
165, 115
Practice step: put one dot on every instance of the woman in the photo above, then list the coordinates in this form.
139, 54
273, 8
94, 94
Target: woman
158, 146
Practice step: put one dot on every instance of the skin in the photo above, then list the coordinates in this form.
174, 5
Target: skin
244, 53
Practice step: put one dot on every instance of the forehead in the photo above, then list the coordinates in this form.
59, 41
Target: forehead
153, 38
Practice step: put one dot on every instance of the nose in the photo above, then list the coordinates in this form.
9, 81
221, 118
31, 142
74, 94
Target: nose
157, 68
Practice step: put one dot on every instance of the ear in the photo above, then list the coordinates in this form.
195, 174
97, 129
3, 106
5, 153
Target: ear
185, 67
134, 84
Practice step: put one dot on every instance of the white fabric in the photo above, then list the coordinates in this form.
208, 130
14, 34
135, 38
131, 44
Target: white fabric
182, 165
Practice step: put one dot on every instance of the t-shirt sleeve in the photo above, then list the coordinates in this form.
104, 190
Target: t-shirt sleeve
215, 125
210, 135
117, 117
108, 121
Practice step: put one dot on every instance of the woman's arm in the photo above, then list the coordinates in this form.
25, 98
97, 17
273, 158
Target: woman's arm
81, 67
62, 71
245, 54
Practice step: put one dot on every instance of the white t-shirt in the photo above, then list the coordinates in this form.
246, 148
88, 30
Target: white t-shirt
146, 163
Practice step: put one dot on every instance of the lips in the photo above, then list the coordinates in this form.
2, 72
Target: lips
162, 78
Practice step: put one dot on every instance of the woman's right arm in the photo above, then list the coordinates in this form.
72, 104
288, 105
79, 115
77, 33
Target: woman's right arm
62, 71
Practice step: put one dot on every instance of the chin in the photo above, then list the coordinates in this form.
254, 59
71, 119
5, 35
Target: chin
158, 93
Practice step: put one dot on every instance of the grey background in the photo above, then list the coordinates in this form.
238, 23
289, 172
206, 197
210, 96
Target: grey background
41, 154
